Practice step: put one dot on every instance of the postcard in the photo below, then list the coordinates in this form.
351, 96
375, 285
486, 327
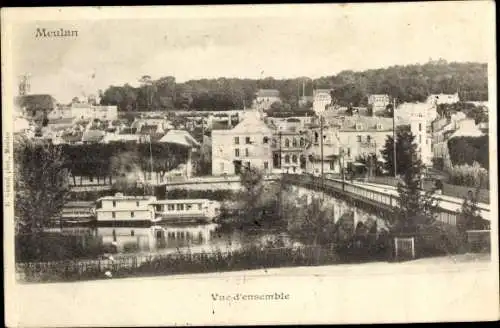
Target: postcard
250, 164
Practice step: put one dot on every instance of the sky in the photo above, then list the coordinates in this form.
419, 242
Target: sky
283, 43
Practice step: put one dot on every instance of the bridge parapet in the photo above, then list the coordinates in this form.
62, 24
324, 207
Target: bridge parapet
370, 197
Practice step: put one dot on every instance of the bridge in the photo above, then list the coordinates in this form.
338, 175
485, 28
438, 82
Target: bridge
374, 197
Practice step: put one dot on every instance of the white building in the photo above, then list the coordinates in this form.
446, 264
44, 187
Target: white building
264, 98
467, 128
379, 102
88, 111
438, 99
120, 208
406, 111
247, 144
322, 99
423, 139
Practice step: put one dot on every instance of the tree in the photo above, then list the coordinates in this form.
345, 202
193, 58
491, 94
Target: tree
126, 167
415, 208
371, 163
405, 150
309, 219
41, 190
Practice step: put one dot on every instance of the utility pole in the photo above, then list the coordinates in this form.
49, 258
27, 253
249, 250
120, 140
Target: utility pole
394, 136
151, 160
321, 147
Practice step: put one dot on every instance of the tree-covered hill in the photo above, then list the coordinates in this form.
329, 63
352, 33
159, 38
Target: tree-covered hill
407, 83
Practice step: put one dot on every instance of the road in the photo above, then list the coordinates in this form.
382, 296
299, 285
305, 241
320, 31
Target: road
425, 290
446, 202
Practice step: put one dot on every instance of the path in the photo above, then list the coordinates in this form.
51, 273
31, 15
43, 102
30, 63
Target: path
413, 291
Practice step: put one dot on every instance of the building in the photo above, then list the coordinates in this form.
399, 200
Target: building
264, 98
93, 136
345, 139
406, 111
288, 146
125, 137
120, 208
89, 111
378, 102
323, 156
184, 139
322, 99
247, 144
423, 139
444, 129
438, 99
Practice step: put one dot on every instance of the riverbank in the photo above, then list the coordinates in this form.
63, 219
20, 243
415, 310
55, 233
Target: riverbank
434, 289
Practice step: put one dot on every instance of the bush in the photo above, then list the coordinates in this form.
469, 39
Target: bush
470, 176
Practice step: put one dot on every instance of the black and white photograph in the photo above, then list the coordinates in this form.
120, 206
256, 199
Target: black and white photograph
238, 164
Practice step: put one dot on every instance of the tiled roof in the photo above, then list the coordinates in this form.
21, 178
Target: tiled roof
72, 137
148, 129
180, 137
366, 123
93, 136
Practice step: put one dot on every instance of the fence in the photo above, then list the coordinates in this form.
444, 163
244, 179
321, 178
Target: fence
445, 216
175, 263
404, 248
448, 189
479, 240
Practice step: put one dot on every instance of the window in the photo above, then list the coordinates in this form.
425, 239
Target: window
236, 140
248, 165
359, 138
237, 152
348, 151
132, 214
274, 143
246, 152
368, 139
332, 167
419, 126
302, 142
294, 159
137, 203
294, 143
287, 143
248, 141
359, 126
170, 207
316, 136
199, 207
180, 207
189, 207
114, 203
265, 140
113, 215
287, 158
132, 233
266, 165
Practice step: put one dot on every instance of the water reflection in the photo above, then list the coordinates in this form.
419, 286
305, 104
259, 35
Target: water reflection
174, 238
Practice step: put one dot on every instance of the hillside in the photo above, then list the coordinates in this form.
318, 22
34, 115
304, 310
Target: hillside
407, 83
